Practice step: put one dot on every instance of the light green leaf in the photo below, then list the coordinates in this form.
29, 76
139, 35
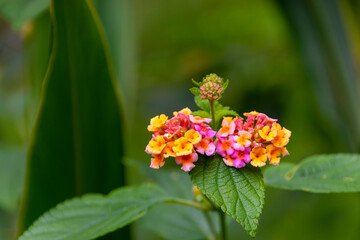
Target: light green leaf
77, 143
239, 192
196, 83
19, 11
225, 85
319, 173
195, 91
95, 215
201, 114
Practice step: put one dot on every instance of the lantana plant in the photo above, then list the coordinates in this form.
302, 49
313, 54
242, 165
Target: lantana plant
215, 144
224, 154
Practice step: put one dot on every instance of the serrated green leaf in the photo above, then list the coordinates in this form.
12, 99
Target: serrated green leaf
223, 113
195, 91
319, 174
201, 114
196, 83
95, 215
239, 192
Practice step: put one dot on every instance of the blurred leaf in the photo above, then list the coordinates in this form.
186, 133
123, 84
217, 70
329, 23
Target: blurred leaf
37, 49
19, 11
94, 215
196, 83
320, 32
77, 142
319, 174
12, 167
178, 222
239, 192
119, 22
189, 223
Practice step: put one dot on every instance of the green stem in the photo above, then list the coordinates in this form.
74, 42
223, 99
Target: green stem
212, 110
223, 234
189, 203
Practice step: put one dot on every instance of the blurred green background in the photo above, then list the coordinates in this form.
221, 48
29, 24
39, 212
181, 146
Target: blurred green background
296, 60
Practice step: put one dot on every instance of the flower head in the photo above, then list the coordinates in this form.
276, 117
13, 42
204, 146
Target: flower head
253, 140
182, 137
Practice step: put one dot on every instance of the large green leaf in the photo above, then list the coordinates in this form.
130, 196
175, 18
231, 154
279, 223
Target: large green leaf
118, 19
320, 31
19, 11
94, 215
320, 174
37, 49
239, 192
77, 142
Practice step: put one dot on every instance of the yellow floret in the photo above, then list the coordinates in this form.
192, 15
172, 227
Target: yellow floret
156, 145
185, 111
193, 136
258, 157
182, 147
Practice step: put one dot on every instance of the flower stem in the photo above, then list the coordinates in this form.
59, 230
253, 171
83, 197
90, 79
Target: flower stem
212, 110
223, 233
189, 203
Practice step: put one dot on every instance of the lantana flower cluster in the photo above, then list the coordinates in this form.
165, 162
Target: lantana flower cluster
253, 140
181, 137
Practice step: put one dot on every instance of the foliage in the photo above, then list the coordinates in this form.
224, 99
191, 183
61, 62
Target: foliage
318, 174
19, 11
78, 135
94, 215
239, 192
12, 161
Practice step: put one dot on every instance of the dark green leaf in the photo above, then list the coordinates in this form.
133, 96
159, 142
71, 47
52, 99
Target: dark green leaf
320, 174
239, 192
19, 11
95, 215
320, 30
119, 21
77, 142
